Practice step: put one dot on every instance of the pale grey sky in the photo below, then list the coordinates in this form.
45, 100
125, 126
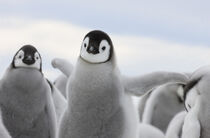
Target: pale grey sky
184, 21
149, 35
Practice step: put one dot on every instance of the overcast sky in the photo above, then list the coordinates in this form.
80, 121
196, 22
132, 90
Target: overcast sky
148, 35
186, 21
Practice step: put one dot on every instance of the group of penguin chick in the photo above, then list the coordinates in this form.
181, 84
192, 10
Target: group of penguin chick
93, 99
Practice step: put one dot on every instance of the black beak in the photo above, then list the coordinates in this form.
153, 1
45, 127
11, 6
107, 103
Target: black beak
28, 59
92, 49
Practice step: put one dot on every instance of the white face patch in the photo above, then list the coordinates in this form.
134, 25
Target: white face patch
102, 56
180, 92
191, 98
18, 61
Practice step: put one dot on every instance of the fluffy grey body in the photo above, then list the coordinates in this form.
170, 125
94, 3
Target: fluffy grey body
99, 102
26, 104
96, 108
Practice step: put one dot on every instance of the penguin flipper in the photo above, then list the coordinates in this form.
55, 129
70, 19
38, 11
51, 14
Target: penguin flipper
51, 115
60, 83
192, 131
174, 129
59, 102
145, 83
142, 103
150, 109
192, 126
63, 65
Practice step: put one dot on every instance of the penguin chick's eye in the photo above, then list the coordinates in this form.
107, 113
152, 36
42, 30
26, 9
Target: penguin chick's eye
103, 48
85, 45
36, 56
20, 55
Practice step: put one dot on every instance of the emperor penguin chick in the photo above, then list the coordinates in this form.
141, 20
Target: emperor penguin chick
196, 96
97, 104
25, 97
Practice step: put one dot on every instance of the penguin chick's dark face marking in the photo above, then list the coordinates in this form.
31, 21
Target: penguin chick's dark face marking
27, 57
96, 47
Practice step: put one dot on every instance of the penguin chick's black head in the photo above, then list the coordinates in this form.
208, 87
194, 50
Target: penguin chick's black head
27, 57
97, 47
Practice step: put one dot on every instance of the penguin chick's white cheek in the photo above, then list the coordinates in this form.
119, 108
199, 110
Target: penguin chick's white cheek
102, 56
18, 60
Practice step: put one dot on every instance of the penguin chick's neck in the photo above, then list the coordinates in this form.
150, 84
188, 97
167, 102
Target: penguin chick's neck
26, 75
25, 88
94, 79
93, 69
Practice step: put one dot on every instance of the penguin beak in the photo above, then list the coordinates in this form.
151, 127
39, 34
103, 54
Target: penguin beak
92, 50
28, 59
